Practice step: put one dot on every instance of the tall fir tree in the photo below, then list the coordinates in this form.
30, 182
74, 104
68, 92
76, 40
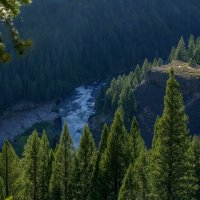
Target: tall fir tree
181, 52
10, 170
129, 188
196, 54
155, 62
135, 184
172, 166
191, 46
145, 68
136, 142
196, 150
95, 188
84, 166
128, 102
172, 54
160, 62
44, 167
60, 187
116, 158
138, 74
31, 166
156, 130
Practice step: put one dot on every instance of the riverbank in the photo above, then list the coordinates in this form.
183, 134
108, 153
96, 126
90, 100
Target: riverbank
74, 108
21, 117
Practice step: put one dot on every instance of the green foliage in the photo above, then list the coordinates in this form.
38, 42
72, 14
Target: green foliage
128, 103
160, 62
128, 190
122, 168
115, 160
196, 150
31, 163
10, 170
136, 143
172, 169
44, 167
190, 54
96, 181
172, 54
2, 189
146, 68
156, 131
120, 93
9, 9
84, 166
135, 183
9, 198
181, 52
191, 46
49, 127
60, 187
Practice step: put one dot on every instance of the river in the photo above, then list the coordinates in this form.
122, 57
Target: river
75, 109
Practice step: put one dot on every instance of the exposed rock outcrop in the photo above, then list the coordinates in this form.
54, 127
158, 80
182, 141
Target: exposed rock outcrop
19, 119
150, 96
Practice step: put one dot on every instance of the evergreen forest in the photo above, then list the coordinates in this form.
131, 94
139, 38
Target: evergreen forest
120, 168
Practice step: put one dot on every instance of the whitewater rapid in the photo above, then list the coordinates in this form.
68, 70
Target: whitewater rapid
76, 109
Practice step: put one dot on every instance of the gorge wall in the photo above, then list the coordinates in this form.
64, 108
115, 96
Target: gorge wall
150, 96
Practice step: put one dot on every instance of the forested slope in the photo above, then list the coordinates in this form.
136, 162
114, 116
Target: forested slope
79, 41
122, 168
140, 93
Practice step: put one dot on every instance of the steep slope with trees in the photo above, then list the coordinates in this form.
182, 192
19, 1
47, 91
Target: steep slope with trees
140, 92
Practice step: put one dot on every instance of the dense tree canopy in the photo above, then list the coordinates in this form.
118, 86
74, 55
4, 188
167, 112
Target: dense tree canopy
121, 169
77, 41
172, 161
187, 53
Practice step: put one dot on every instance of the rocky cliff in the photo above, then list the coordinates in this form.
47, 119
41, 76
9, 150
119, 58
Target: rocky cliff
150, 96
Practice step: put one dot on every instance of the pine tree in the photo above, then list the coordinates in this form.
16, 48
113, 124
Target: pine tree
95, 188
84, 165
10, 170
136, 143
103, 142
135, 183
181, 52
196, 150
129, 188
172, 171
44, 167
116, 158
196, 55
160, 62
2, 189
155, 62
172, 54
145, 68
191, 46
31, 166
156, 130
138, 74
60, 186
128, 103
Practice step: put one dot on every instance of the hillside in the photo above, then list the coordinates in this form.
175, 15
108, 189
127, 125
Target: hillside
148, 97
150, 94
85, 41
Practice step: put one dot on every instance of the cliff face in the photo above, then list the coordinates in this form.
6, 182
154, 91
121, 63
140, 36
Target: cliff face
150, 97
